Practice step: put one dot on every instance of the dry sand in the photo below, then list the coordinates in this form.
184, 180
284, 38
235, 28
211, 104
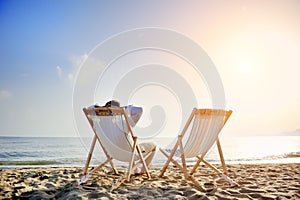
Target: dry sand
263, 181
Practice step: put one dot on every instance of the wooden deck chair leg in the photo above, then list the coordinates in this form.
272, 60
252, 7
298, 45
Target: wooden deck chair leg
117, 183
216, 170
138, 162
219, 144
223, 175
143, 160
212, 167
88, 160
183, 158
190, 177
172, 160
137, 147
131, 160
109, 159
169, 159
198, 185
197, 164
101, 165
202, 158
222, 157
85, 173
145, 156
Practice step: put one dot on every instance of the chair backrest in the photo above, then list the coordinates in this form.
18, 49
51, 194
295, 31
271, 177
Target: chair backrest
112, 128
207, 124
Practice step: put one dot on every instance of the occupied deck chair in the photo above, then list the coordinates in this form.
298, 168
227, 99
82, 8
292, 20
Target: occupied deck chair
112, 128
199, 134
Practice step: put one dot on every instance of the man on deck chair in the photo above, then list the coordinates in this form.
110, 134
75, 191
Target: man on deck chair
134, 115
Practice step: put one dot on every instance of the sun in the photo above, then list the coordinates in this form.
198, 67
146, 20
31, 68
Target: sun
245, 68
247, 62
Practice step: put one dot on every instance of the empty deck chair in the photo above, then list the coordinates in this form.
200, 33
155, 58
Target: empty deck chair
199, 134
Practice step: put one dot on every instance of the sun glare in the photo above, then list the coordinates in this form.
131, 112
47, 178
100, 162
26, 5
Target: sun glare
245, 68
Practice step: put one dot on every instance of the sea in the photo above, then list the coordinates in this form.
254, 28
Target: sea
23, 152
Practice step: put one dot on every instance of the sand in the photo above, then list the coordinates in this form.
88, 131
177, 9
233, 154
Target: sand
263, 181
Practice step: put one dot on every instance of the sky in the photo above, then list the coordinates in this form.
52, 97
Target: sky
255, 46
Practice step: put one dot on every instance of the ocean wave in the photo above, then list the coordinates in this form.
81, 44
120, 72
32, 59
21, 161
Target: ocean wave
292, 155
23, 163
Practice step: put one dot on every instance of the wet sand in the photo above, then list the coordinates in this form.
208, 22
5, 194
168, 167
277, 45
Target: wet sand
260, 181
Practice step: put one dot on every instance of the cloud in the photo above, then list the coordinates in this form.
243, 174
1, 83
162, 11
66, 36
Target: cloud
59, 72
5, 94
69, 75
76, 61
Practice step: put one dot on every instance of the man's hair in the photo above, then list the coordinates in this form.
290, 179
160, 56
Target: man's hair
112, 103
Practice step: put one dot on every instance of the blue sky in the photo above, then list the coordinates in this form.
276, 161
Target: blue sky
37, 38
254, 44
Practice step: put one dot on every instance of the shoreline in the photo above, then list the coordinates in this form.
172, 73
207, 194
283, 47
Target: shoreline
292, 160
256, 181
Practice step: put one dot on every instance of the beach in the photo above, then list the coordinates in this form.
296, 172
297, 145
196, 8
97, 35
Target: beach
256, 181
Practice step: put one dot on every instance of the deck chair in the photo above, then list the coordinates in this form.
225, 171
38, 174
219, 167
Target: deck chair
199, 134
113, 131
